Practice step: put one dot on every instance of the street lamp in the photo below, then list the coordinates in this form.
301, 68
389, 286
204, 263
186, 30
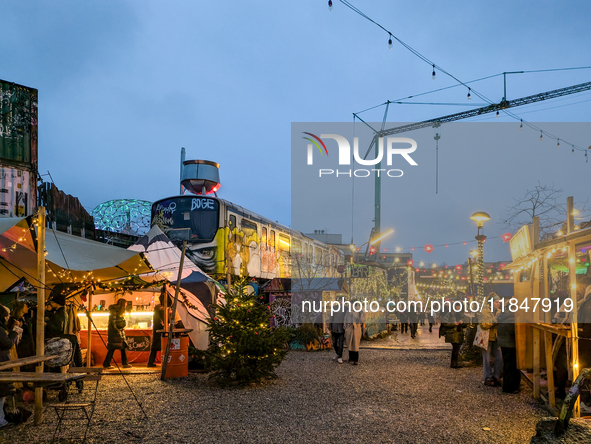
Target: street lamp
480, 218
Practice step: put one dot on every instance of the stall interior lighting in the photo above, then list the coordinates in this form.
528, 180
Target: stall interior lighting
134, 313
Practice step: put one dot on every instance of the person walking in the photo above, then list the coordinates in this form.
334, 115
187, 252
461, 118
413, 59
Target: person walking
403, 316
337, 329
452, 328
157, 324
506, 339
488, 321
413, 321
116, 334
8, 338
354, 330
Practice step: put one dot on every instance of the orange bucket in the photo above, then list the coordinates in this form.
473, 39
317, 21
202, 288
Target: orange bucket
178, 358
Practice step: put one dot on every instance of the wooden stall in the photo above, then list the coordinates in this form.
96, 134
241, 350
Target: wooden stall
550, 279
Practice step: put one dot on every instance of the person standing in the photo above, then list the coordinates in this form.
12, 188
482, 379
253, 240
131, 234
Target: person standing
157, 324
403, 322
337, 329
506, 339
452, 328
354, 330
26, 346
413, 320
8, 338
488, 321
116, 334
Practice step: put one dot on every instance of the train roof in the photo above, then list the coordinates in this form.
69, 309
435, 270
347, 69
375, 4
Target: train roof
248, 213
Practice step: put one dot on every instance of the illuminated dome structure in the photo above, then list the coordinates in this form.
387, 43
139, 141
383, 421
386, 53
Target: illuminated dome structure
127, 216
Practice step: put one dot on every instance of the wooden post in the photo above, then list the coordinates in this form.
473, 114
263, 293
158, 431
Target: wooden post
165, 307
570, 217
171, 323
574, 319
40, 333
536, 359
549, 367
89, 332
547, 315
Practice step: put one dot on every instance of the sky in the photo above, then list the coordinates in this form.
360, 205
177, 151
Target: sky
123, 85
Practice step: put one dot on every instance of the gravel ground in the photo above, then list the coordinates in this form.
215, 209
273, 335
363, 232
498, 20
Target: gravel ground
403, 396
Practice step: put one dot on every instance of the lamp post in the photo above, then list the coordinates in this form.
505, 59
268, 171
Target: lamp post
480, 217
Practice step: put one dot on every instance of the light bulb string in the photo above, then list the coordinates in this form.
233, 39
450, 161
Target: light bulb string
460, 82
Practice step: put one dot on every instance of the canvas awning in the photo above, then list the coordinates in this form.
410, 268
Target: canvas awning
69, 258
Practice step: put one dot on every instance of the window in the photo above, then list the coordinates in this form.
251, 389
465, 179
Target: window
284, 242
264, 238
296, 246
272, 239
249, 228
318, 255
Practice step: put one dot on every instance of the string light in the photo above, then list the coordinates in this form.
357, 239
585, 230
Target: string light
521, 125
469, 96
558, 144
433, 73
541, 136
330, 5
390, 42
497, 114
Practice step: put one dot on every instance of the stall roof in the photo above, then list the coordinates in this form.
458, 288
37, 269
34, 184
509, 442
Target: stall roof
318, 284
69, 258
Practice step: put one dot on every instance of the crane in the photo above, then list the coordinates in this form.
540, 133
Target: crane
493, 107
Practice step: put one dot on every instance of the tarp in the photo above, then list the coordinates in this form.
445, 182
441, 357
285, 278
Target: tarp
69, 258
196, 287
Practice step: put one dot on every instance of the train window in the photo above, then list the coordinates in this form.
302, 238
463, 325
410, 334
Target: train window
318, 256
284, 242
310, 251
272, 239
249, 228
231, 226
264, 238
296, 246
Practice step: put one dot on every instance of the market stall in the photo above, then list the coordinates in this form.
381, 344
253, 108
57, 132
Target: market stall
550, 279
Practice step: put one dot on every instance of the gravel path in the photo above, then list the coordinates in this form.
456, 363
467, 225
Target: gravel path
403, 396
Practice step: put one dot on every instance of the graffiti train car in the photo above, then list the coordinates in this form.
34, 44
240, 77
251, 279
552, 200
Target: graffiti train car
225, 237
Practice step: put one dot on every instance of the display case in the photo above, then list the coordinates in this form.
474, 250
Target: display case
136, 320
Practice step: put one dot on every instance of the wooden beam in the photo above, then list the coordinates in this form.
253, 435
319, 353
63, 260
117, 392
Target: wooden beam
171, 323
536, 358
89, 331
40, 333
549, 367
574, 318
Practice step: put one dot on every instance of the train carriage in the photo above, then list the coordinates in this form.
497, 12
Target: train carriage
225, 237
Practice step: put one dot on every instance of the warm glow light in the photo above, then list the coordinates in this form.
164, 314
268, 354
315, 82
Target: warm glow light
382, 236
480, 217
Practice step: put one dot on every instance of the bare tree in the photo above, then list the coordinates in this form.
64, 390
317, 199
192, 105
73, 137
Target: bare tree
543, 201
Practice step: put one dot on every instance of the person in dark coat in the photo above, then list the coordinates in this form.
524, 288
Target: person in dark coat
26, 346
506, 339
8, 339
413, 321
452, 328
337, 329
157, 324
403, 316
116, 334
55, 327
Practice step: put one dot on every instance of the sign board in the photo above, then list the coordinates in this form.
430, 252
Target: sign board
179, 234
360, 272
522, 243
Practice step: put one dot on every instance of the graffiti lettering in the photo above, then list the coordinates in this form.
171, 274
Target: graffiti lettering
202, 204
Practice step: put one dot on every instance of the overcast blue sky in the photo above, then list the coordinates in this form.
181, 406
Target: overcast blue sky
123, 85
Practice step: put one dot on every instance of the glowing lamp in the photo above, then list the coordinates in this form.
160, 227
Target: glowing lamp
480, 218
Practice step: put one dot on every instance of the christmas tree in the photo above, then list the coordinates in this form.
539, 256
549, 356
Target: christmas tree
243, 347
